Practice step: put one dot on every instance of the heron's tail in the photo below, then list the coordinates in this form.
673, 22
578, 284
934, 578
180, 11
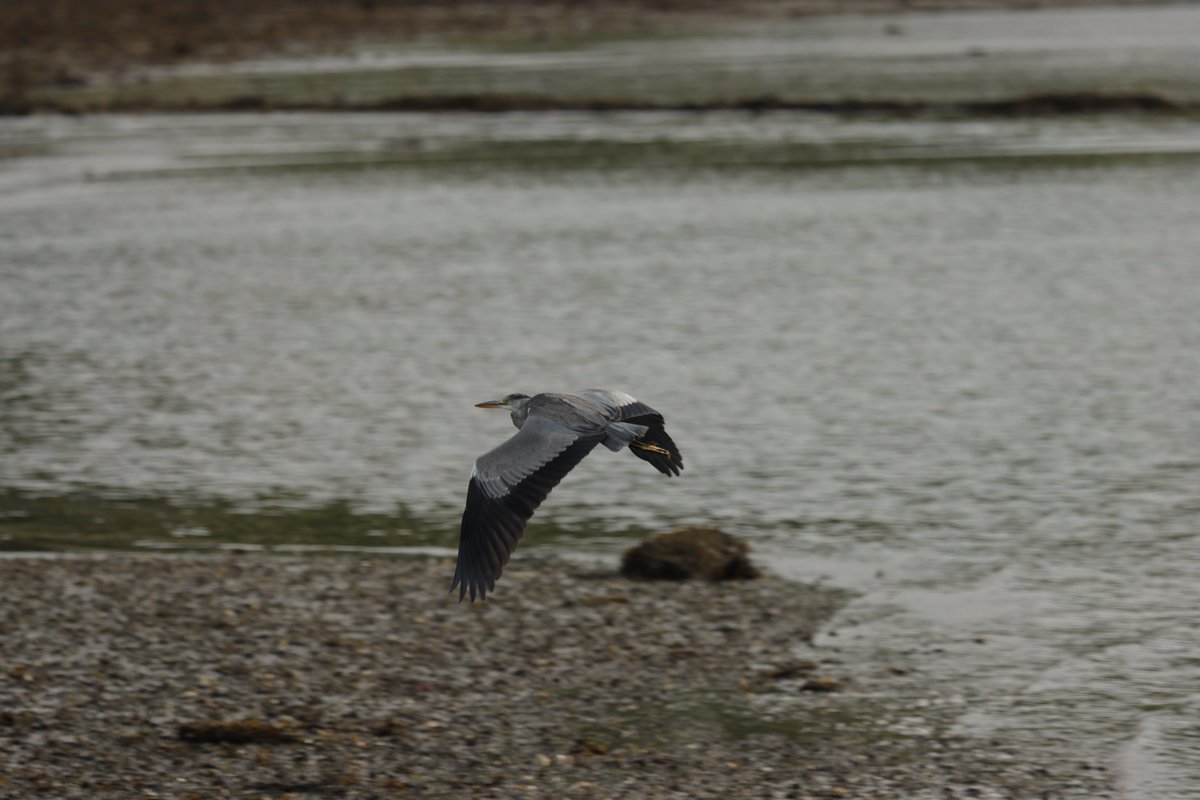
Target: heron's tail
656, 447
619, 434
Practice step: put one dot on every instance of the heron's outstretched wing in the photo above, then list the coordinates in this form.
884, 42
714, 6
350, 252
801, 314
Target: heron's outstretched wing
655, 445
507, 485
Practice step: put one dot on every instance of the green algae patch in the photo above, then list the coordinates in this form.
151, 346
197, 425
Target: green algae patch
84, 521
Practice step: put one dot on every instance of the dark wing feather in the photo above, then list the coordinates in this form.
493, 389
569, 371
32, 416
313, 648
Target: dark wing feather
506, 486
622, 407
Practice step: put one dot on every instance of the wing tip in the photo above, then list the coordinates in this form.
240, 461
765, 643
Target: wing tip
469, 588
471, 578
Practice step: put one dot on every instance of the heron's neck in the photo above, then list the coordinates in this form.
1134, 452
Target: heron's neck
520, 410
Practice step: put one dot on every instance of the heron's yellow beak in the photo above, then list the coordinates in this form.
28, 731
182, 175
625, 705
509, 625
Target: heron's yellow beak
492, 404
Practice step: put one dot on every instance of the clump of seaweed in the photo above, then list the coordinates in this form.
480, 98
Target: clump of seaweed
246, 731
691, 552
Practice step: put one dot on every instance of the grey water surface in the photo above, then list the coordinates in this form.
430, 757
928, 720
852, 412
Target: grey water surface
951, 364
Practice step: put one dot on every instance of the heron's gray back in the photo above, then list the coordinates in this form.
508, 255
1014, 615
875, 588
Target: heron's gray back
618, 405
578, 412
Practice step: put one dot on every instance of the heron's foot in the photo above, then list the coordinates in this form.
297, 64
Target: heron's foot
652, 448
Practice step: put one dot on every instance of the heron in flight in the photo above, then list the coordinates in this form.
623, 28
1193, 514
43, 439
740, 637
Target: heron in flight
554, 432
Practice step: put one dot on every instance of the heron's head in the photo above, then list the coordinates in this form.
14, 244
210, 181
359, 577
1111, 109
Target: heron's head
509, 401
517, 404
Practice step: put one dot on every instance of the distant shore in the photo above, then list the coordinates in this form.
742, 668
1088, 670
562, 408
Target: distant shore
122, 34
47, 58
191, 676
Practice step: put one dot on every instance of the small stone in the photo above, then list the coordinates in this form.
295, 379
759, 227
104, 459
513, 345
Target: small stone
387, 727
790, 670
822, 683
587, 747
599, 600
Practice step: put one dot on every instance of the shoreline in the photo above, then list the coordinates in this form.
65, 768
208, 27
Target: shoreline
220, 676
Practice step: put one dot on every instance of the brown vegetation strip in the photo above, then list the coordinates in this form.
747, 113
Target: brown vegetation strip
1041, 104
1023, 106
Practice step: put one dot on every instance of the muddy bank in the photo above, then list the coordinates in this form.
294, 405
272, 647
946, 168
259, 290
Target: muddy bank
120, 34
194, 676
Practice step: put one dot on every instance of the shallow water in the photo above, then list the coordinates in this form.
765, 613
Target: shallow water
953, 365
966, 385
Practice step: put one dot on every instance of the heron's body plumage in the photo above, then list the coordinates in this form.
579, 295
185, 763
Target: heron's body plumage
555, 431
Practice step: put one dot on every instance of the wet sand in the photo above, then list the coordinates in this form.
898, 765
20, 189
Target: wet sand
196, 676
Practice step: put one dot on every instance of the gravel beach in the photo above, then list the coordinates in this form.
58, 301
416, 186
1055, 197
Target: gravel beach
192, 676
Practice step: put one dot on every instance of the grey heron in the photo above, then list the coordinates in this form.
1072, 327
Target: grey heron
554, 432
